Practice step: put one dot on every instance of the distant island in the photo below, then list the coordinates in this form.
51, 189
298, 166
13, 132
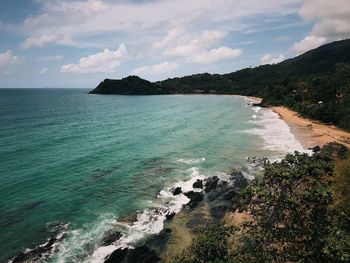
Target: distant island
316, 84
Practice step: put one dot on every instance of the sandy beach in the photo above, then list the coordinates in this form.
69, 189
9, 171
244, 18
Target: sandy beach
310, 132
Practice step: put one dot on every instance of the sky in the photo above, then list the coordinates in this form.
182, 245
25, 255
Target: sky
78, 43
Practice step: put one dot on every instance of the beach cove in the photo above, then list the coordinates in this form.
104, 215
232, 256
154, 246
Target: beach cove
127, 157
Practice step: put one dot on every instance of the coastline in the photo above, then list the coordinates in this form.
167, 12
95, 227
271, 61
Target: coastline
311, 133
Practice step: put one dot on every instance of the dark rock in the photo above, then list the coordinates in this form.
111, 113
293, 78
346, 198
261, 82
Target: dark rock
176, 190
211, 183
36, 253
198, 184
141, 254
198, 219
117, 256
229, 195
239, 181
195, 198
213, 195
109, 237
170, 215
159, 241
219, 211
316, 149
158, 210
223, 183
166, 230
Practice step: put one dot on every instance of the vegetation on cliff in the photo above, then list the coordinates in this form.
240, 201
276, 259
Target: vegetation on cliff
299, 213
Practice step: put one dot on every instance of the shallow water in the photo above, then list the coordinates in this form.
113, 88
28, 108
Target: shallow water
87, 160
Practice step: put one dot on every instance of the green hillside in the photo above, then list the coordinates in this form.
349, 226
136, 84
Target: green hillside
316, 84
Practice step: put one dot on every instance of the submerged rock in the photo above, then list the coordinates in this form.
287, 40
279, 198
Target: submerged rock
36, 254
42, 252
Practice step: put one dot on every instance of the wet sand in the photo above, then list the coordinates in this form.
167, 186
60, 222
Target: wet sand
310, 132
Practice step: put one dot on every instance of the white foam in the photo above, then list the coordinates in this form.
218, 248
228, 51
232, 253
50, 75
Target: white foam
275, 132
191, 161
256, 109
150, 221
252, 99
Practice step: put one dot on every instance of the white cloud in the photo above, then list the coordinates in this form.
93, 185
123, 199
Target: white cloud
50, 58
106, 61
7, 61
331, 22
178, 42
195, 48
308, 43
157, 69
216, 54
39, 41
332, 18
270, 59
43, 71
71, 21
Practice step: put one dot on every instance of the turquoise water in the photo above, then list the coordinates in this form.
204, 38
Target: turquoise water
67, 156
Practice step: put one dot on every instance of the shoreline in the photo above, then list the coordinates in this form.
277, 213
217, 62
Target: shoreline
311, 133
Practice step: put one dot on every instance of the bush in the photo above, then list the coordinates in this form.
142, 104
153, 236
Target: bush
211, 245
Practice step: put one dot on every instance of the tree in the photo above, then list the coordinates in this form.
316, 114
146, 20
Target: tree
290, 216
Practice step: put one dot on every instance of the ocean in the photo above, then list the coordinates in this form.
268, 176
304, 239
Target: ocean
78, 164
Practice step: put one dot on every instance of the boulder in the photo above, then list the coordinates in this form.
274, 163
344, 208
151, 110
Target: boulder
176, 190
141, 254
239, 181
195, 198
170, 215
316, 149
117, 256
110, 237
211, 183
159, 241
198, 184
37, 253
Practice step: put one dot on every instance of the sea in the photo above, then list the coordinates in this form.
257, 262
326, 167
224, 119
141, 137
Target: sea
75, 165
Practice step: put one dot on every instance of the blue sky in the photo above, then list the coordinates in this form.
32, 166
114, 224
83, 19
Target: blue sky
76, 43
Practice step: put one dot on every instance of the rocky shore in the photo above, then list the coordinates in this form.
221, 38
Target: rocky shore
208, 203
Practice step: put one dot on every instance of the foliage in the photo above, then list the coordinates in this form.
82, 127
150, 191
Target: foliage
211, 245
341, 186
300, 212
334, 150
290, 209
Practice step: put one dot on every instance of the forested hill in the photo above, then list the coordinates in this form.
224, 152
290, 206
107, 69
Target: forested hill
316, 84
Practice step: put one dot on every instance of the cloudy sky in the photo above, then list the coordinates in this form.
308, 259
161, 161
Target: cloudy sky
76, 43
